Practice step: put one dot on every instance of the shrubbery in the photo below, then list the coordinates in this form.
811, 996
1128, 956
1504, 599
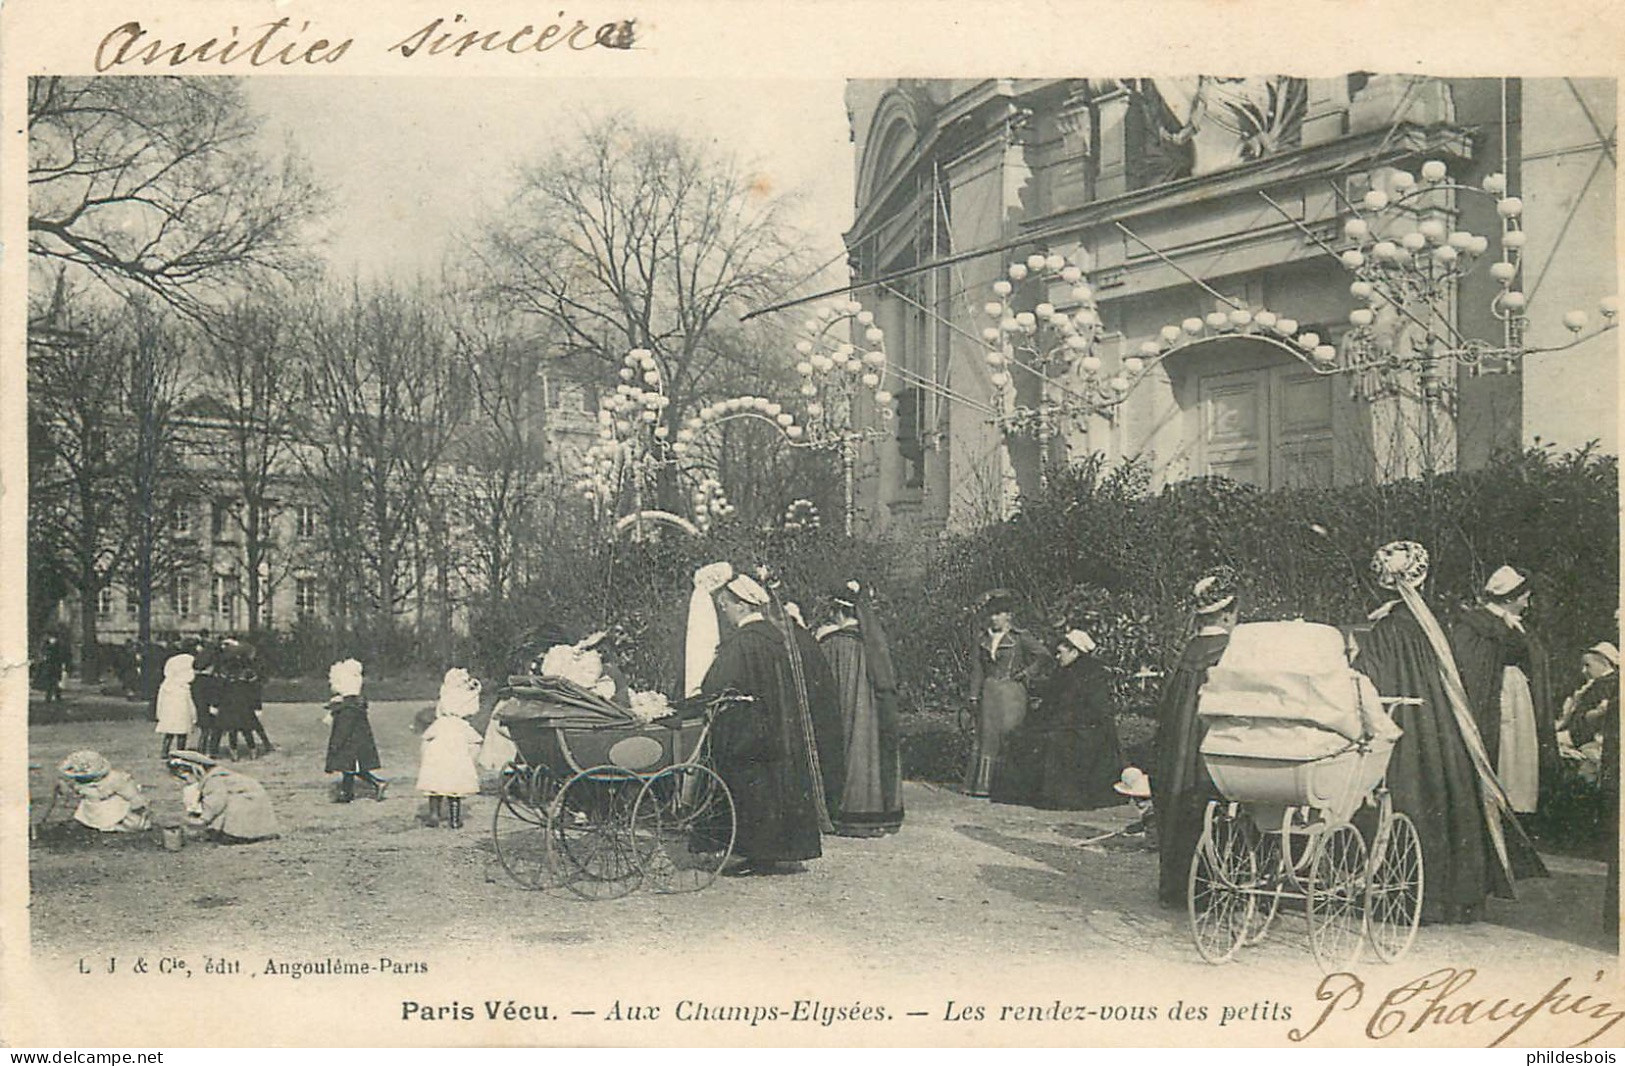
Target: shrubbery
1099, 550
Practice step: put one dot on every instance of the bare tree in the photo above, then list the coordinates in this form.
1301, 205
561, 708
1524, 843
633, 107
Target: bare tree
155, 473
638, 238
247, 385
380, 404
501, 450
159, 184
106, 473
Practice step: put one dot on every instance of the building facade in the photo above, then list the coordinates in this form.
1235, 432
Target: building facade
1182, 196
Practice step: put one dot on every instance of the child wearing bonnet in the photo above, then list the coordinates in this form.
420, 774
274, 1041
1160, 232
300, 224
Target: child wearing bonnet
448, 769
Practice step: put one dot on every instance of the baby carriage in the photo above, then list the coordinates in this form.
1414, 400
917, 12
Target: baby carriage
1297, 743
598, 802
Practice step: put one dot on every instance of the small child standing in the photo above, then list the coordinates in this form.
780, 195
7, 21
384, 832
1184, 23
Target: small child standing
351, 749
447, 770
177, 714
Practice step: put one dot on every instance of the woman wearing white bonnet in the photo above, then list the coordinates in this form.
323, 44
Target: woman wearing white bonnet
1439, 773
1507, 675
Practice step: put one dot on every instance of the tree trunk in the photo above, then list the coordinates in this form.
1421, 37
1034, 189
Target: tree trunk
89, 655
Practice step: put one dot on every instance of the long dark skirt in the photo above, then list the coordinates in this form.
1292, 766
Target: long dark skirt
1064, 768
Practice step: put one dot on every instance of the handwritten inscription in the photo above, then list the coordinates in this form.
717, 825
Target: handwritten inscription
1443, 998
281, 43
453, 37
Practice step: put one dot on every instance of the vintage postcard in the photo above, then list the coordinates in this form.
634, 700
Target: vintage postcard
680, 523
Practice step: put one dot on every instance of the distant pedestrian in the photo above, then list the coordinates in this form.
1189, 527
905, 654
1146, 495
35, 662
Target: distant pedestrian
1004, 662
1181, 786
447, 770
54, 663
351, 749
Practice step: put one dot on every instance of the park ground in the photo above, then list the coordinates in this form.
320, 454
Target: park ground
965, 889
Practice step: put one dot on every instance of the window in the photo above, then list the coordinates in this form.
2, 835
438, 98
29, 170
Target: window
180, 597
911, 436
180, 518
223, 600
132, 603
307, 597
104, 603
224, 522
306, 519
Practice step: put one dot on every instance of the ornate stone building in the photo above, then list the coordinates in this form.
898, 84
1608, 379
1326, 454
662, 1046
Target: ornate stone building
1179, 196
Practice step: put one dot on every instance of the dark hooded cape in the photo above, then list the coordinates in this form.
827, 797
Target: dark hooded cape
824, 707
870, 793
1066, 755
350, 746
1484, 646
1180, 785
1432, 779
759, 748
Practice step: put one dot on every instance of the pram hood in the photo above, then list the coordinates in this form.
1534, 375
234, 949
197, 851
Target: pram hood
1285, 690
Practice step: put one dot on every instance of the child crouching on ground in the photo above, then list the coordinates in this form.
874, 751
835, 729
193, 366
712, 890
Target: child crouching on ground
447, 771
109, 800
351, 749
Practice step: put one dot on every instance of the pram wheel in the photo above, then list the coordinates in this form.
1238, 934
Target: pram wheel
1219, 907
1264, 902
1335, 892
519, 825
683, 828
1393, 903
592, 832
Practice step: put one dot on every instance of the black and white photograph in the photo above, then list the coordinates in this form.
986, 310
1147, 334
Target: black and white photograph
719, 555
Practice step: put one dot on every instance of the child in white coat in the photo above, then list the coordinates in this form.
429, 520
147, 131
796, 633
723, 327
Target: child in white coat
447, 770
177, 714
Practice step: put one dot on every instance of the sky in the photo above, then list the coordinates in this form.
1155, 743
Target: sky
413, 163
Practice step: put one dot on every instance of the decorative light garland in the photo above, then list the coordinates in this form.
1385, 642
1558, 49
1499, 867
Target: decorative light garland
1050, 339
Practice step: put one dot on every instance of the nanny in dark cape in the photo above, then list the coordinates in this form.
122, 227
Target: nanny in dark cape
1439, 773
1066, 755
871, 799
1180, 785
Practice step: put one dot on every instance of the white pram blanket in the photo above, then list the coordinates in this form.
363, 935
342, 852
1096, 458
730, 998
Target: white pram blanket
1285, 690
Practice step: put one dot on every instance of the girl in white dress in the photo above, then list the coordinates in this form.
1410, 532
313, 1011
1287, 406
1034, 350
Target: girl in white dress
447, 770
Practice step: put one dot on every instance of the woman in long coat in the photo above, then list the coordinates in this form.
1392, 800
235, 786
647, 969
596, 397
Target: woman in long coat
1439, 772
1066, 756
871, 800
1003, 664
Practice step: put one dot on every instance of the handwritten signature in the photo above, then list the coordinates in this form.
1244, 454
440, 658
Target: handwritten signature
1441, 998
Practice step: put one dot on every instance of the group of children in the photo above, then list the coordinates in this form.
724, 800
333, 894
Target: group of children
234, 807
448, 767
215, 689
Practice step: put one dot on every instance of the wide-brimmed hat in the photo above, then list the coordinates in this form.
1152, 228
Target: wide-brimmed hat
190, 760
846, 593
748, 589
85, 765
1134, 784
